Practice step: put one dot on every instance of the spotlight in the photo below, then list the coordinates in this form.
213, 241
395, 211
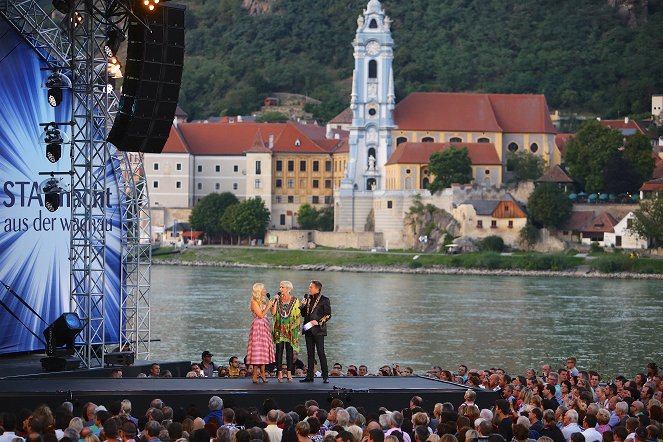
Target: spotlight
150, 4
55, 82
51, 190
62, 332
63, 6
76, 19
53, 138
114, 39
114, 68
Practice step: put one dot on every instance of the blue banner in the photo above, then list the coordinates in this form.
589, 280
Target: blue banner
34, 243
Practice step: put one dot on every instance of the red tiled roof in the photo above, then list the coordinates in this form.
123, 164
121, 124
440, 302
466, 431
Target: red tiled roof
419, 153
652, 185
175, 143
603, 222
226, 139
555, 174
578, 220
258, 145
443, 111
291, 134
622, 125
522, 113
344, 117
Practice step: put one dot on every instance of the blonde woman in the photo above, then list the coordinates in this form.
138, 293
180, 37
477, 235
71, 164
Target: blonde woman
260, 350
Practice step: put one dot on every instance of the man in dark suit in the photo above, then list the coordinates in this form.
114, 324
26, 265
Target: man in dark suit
316, 310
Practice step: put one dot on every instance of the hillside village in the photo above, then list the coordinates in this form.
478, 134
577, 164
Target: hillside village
370, 164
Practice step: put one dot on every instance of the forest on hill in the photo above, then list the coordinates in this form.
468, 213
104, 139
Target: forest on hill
581, 54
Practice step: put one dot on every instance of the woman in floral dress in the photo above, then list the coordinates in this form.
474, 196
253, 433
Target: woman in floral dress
287, 327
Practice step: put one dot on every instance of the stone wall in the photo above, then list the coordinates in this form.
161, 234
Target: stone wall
301, 239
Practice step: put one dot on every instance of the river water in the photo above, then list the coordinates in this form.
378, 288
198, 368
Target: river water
613, 326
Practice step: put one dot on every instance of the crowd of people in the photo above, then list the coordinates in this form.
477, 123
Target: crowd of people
565, 405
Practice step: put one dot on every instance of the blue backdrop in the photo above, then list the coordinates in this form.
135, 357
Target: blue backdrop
34, 243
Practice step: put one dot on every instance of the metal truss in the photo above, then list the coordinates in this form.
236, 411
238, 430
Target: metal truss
93, 108
38, 29
136, 256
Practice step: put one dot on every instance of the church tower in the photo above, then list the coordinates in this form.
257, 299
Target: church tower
372, 101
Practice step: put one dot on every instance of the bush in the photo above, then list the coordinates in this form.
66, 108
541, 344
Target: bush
414, 264
491, 243
594, 247
490, 261
554, 261
613, 264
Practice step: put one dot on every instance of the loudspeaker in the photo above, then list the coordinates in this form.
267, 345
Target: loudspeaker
60, 363
119, 358
152, 79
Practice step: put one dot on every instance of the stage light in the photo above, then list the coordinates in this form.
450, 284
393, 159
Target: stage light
51, 190
114, 68
76, 19
114, 39
62, 332
63, 6
53, 138
55, 82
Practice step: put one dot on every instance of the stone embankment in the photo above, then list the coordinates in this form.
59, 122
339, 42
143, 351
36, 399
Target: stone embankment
580, 272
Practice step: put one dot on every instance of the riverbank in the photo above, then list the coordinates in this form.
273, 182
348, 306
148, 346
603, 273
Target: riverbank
479, 263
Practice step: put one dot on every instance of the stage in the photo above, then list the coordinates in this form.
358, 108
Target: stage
23, 385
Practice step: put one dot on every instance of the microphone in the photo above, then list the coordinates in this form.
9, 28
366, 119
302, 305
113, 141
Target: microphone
306, 295
268, 295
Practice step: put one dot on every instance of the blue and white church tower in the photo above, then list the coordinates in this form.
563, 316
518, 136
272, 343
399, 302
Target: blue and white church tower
372, 101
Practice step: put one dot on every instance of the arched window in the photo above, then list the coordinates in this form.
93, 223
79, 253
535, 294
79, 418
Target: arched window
534, 147
372, 69
513, 147
373, 24
425, 183
455, 140
483, 140
427, 140
370, 184
400, 140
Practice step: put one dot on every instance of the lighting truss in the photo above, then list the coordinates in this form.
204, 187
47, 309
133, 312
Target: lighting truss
93, 109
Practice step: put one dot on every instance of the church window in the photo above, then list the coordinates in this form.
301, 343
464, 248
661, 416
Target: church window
408, 171
427, 140
455, 140
483, 140
372, 69
487, 172
425, 183
372, 111
373, 24
400, 140
534, 147
513, 147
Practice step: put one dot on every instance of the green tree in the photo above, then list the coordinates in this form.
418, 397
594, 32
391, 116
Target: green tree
452, 165
548, 206
310, 218
246, 219
648, 222
620, 176
307, 217
272, 117
587, 154
525, 166
637, 151
207, 213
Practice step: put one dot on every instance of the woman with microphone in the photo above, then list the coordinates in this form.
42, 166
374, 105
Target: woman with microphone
287, 327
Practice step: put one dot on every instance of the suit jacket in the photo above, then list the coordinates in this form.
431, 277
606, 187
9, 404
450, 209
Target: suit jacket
320, 311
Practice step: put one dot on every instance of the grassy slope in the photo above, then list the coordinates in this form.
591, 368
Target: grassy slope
609, 263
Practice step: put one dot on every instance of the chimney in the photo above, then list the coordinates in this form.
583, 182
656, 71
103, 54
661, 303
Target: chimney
337, 136
270, 143
625, 120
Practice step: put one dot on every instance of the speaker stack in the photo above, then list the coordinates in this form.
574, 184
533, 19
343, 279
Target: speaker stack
152, 78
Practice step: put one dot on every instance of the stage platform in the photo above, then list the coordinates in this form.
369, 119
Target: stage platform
371, 392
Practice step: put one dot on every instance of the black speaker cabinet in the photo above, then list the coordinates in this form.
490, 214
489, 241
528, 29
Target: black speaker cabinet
152, 78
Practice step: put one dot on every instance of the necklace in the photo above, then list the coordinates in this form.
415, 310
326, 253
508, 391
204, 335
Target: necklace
286, 309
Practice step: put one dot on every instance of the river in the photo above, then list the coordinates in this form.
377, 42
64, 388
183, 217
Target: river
612, 326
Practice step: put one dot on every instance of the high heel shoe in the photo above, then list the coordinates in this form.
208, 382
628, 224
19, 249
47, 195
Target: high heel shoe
279, 378
255, 380
264, 379
289, 378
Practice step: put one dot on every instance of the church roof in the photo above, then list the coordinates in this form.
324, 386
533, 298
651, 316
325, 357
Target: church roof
445, 111
419, 153
561, 140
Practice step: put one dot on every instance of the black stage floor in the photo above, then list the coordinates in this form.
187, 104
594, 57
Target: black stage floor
26, 390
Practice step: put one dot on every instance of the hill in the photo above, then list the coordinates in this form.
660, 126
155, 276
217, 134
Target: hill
599, 56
